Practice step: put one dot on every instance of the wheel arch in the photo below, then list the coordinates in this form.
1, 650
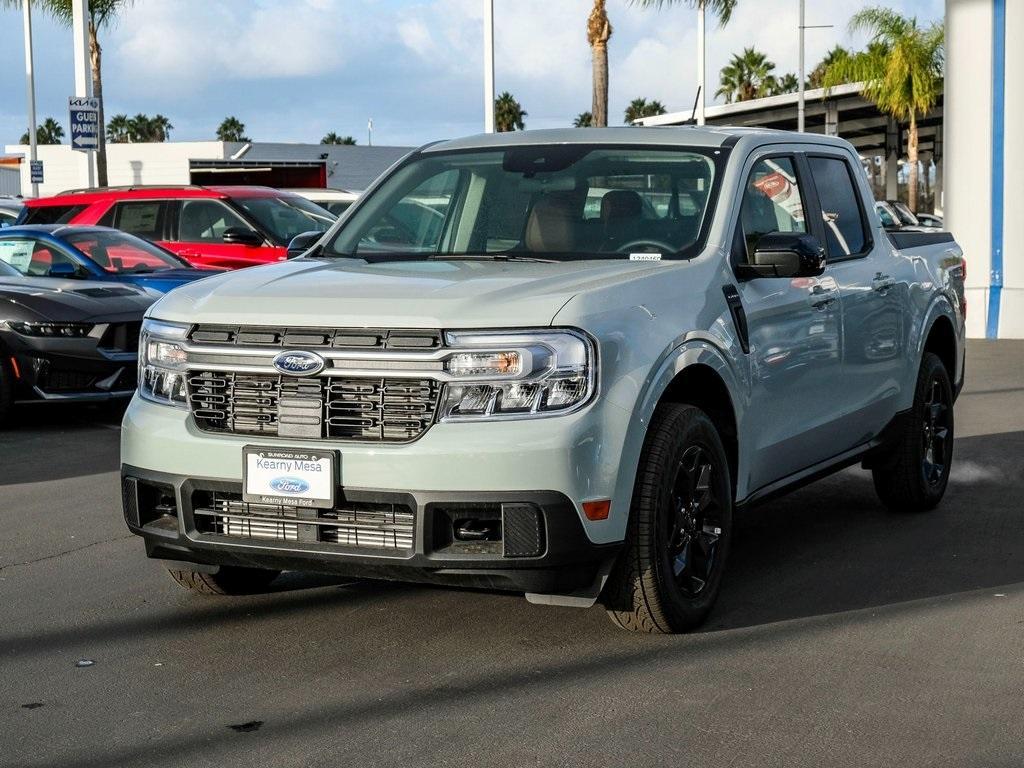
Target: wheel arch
698, 373
940, 339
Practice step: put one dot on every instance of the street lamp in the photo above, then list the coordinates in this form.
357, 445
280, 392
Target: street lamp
488, 66
30, 82
801, 76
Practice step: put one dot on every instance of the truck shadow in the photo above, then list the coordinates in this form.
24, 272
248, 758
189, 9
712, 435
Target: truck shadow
832, 547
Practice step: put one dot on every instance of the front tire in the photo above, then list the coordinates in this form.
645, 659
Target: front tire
6, 392
229, 580
915, 474
670, 571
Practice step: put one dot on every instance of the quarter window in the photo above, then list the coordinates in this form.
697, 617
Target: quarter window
771, 201
844, 226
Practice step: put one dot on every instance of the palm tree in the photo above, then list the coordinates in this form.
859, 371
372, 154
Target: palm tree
722, 9
333, 138
816, 78
159, 128
747, 76
231, 129
50, 132
901, 71
583, 120
643, 108
509, 114
119, 129
599, 30
788, 83
101, 14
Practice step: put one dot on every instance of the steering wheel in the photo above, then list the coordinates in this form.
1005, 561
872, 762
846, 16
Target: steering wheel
665, 247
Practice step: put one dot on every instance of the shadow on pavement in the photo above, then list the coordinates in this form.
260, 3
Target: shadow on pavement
60, 441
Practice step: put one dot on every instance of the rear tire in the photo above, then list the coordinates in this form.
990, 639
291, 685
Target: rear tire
669, 573
913, 477
229, 580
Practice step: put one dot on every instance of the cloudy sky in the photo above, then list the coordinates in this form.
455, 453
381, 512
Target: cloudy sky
292, 70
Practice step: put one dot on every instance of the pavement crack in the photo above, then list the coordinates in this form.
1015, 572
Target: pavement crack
67, 552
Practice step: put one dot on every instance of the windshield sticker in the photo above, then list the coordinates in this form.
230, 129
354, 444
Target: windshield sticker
645, 257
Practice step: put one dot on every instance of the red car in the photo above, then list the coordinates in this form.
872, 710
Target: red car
207, 226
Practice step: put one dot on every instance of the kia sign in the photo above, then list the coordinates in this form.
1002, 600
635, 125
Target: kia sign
84, 115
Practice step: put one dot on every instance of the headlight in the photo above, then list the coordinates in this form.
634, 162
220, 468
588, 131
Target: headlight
51, 330
162, 363
517, 374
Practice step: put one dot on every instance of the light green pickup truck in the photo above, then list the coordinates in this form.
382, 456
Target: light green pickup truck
552, 362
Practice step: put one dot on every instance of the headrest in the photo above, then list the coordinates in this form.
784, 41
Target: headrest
621, 204
551, 227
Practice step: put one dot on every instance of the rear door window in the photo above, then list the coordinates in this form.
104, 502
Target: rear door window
840, 207
143, 218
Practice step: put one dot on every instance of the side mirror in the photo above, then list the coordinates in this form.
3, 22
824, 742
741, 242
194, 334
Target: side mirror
241, 236
62, 270
302, 243
786, 254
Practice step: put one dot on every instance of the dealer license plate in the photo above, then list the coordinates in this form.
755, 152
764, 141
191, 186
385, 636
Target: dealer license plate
293, 478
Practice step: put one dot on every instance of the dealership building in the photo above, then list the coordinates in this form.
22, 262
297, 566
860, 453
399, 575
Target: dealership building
334, 166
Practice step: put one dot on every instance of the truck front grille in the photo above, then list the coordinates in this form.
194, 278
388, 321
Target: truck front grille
361, 525
313, 338
364, 409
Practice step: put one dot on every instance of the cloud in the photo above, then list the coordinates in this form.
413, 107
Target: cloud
294, 69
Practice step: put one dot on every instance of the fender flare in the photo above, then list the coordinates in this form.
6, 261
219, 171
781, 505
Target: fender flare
692, 351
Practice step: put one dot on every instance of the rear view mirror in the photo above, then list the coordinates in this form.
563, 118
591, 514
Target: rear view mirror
785, 254
302, 243
62, 270
241, 236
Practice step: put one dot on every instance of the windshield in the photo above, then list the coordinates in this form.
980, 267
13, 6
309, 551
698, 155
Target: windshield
287, 216
560, 202
117, 252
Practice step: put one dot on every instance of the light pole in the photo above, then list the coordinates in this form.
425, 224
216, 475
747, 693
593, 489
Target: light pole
83, 80
701, 56
30, 82
800, 86
488, 66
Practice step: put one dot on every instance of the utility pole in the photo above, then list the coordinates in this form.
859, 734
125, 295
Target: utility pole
701, 57
488, 66
83, 77
369, 132
30, 81
800, 76
801, 101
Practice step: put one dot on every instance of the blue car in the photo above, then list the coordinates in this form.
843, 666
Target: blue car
94, 253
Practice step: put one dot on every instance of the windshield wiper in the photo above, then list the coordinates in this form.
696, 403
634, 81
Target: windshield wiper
491, 257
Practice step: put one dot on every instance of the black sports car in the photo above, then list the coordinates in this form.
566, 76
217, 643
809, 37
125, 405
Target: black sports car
67, 339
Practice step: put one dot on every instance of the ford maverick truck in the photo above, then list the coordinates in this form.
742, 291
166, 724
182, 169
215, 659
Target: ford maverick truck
549, 362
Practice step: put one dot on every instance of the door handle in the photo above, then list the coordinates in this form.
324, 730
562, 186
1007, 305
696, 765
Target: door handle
824, 302
882, 283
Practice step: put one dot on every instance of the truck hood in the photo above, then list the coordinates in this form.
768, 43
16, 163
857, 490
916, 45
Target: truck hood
411, 294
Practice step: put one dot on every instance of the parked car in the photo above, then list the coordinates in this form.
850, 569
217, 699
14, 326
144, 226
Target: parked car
930, 220
542, 394
337, 201
10, 209
94, 253
67, 340
207, 226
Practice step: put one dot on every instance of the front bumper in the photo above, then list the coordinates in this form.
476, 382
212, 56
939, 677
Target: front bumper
550, 465
48, 369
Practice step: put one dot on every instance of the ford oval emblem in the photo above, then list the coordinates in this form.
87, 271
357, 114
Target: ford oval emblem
299, 363
289, 485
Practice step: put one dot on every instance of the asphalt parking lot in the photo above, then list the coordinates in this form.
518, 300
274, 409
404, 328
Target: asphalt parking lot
844, 636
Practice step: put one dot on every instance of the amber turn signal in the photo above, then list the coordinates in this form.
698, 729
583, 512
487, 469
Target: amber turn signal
597, 510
